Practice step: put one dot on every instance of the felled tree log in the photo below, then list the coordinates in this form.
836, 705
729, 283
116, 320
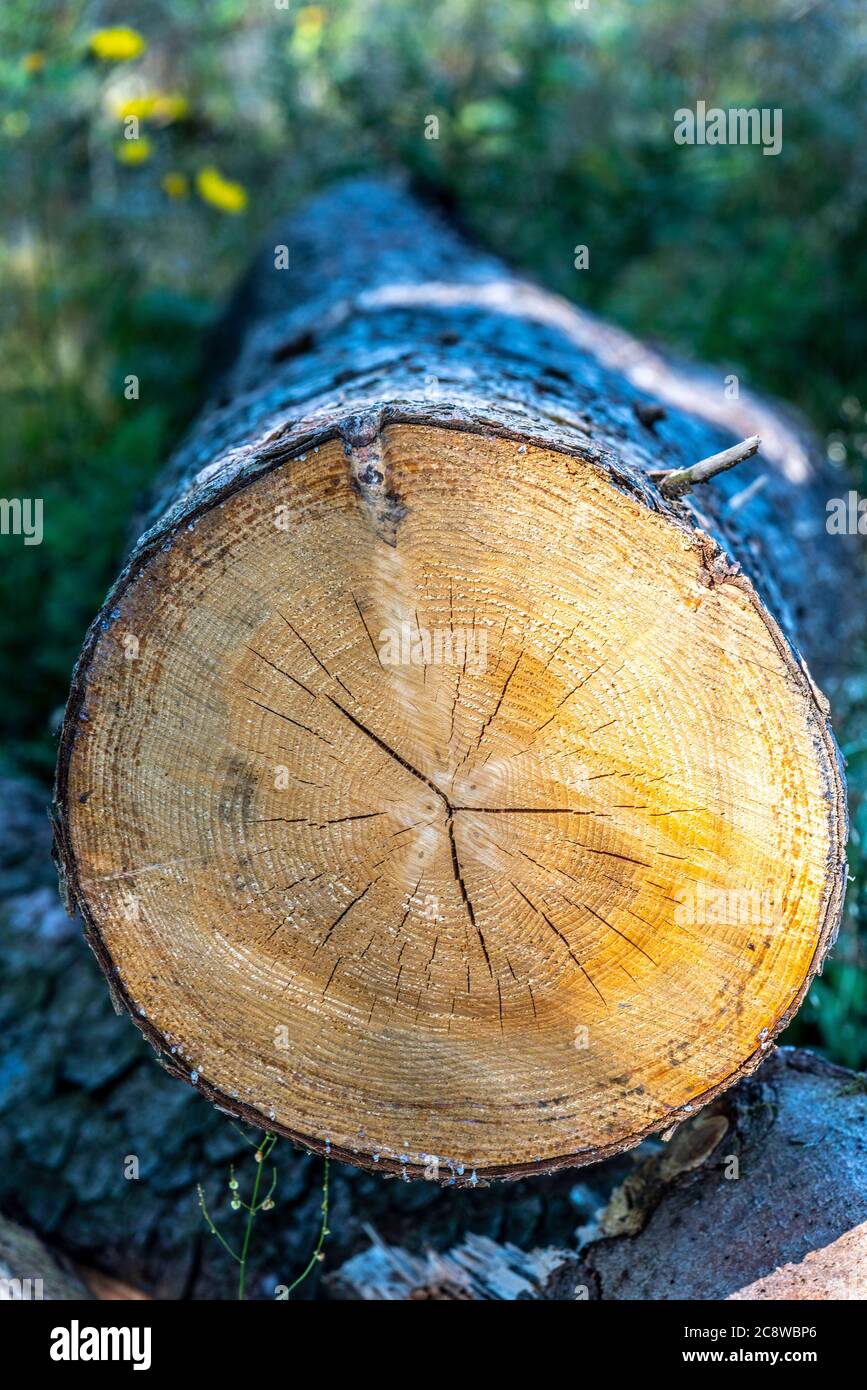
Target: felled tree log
435, 790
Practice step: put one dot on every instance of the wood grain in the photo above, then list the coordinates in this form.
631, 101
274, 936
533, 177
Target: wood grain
434, 916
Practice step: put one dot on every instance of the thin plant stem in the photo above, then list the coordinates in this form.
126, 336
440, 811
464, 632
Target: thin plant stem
322, 1234
211, 1227
261, 1155
252, 1207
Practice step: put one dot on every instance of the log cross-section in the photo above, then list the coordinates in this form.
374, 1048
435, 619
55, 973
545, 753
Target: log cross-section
434, 789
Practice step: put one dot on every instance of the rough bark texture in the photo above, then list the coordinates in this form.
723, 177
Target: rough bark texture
787, 1221
386, 318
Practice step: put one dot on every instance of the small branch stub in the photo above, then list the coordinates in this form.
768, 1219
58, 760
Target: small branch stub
679, 481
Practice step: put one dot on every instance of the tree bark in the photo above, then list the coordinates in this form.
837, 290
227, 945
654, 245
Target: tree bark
763, 1195
418, 769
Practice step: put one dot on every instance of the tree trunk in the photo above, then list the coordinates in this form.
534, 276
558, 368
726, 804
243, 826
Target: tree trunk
436, 789
29, 1271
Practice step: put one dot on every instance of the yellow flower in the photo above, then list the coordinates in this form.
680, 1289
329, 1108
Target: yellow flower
222, 193
34, 62
307, 33
170, 106
309, 21
163, 107
117, 45
140, 107
133, 151
176, 185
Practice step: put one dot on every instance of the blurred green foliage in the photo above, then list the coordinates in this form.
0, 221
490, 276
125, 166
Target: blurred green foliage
555, 129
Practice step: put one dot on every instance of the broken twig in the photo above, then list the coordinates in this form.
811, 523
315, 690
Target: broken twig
677, 481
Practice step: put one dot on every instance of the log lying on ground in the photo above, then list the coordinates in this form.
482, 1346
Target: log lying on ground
80, 1095
434, 790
